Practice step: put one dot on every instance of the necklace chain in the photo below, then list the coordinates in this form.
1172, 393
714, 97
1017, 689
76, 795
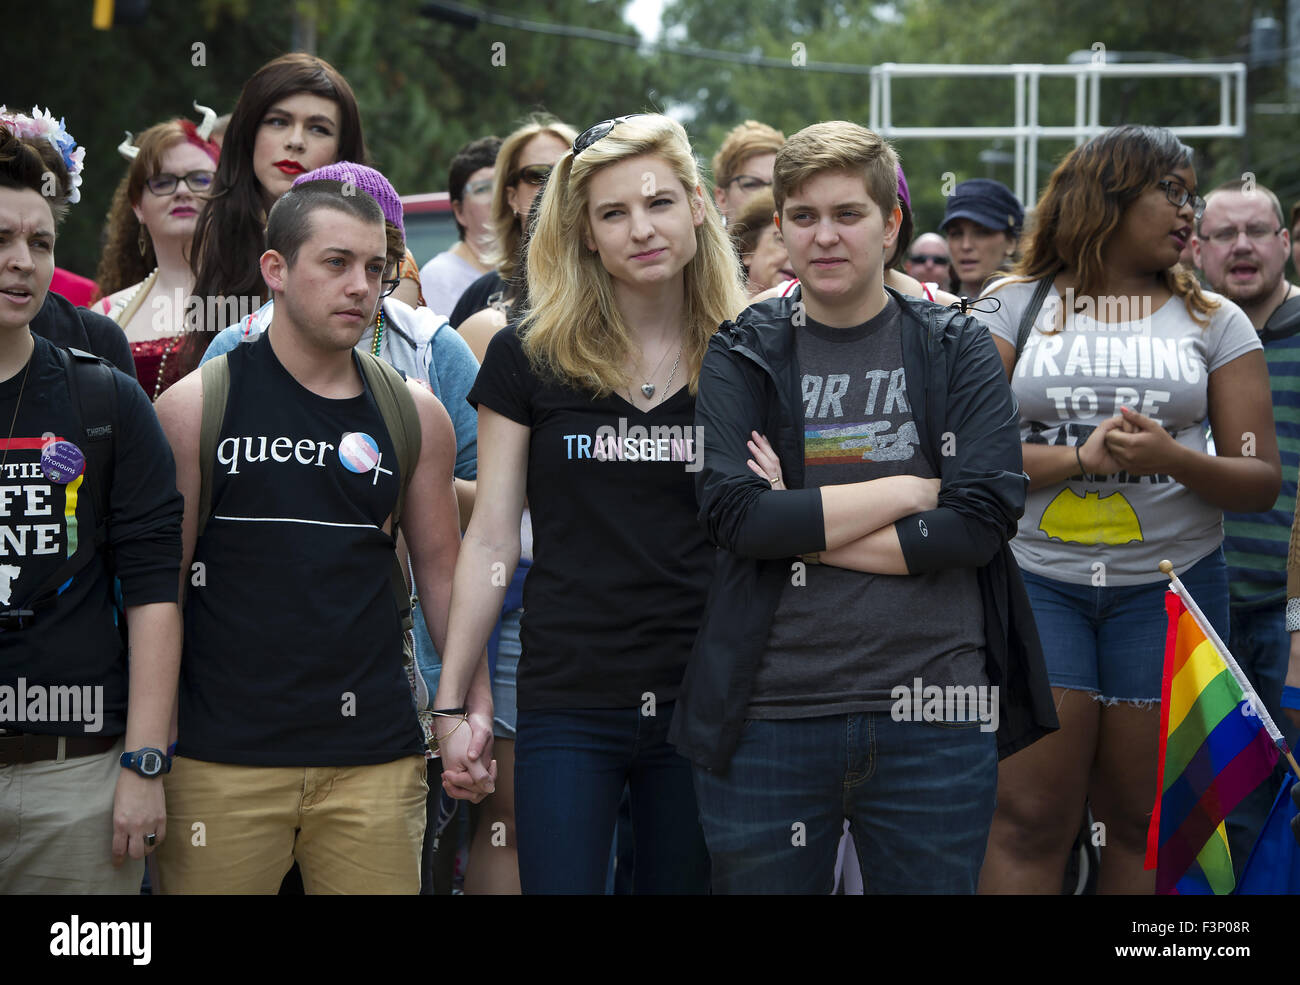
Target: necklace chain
14, 420
667, 386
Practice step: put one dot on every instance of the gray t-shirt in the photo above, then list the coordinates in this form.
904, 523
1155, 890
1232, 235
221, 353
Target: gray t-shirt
843, 641
1070, 380
444, 279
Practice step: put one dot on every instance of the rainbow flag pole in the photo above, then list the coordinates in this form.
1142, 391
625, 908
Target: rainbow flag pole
1217, 743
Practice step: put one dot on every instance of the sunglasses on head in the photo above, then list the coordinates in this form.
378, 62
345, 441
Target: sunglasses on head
534, 174
601, 129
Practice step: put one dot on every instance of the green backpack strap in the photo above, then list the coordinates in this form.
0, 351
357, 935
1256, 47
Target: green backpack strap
216, 391
397, 408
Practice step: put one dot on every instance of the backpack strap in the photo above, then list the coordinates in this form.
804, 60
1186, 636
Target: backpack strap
397, 407
216, 391
1030, 313
94, 396
402, 420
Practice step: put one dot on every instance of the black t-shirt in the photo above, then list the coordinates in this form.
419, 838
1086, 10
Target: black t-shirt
476, 297
74, 643
64, 324
620, 568
293, 646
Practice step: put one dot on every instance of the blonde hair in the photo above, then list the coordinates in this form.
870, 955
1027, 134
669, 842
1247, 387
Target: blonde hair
506, 226
740, 144
837, 146
573, 329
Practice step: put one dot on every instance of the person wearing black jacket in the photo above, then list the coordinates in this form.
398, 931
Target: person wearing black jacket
781, 709
69, 326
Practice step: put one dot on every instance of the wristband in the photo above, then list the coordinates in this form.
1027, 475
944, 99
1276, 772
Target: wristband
1291, 698
448, 712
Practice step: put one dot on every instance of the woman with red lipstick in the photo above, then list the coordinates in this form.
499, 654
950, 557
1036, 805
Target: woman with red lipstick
1117, 356
145, 272
296, 114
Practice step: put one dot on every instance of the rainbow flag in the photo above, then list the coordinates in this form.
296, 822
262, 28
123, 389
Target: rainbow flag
1214, 750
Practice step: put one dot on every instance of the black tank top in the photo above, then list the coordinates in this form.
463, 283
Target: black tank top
293, 652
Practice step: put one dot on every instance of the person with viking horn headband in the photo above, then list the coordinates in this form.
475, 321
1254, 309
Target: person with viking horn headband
144, 274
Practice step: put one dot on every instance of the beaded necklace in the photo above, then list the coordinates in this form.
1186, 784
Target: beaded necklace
379, 333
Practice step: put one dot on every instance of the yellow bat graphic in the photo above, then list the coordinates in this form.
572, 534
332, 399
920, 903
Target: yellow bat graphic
1090, 519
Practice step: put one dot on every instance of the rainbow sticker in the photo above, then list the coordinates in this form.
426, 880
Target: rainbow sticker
358, 452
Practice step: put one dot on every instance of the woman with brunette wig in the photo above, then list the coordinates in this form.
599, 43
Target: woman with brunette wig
1122, 356
587, 405
296, 114
144, 273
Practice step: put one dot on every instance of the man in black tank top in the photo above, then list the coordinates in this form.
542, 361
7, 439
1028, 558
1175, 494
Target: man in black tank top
298, 738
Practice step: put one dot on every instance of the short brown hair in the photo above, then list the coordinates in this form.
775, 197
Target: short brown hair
1237, 185
757, 214
740, 144
837, 146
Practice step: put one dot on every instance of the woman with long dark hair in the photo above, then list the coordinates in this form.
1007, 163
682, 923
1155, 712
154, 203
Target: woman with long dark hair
1117, 356
296, 114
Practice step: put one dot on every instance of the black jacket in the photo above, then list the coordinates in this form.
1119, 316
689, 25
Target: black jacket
69, 326
968, 423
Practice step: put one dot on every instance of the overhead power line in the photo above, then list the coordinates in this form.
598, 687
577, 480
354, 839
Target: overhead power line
470, 17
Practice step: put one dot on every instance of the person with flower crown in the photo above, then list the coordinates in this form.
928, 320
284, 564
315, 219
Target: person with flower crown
82, 729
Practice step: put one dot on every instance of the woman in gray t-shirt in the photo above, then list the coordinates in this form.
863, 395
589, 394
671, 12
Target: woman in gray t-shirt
1126, 359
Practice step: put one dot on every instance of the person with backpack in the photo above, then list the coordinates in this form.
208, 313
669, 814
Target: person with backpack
87, 495
297, 734
889, 489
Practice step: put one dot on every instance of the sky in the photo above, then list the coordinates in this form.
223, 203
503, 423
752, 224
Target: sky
644, 16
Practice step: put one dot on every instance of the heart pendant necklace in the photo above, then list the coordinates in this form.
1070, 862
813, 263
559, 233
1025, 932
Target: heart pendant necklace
649, 388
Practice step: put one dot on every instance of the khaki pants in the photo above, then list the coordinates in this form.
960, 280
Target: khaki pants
56, 827
238, 829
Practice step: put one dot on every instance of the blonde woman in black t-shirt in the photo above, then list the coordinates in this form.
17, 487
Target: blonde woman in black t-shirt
587, 406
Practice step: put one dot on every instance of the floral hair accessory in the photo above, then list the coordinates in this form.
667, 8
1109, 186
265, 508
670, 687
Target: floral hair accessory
42, 124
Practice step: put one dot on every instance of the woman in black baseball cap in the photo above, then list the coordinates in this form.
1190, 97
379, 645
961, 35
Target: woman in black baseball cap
982, 220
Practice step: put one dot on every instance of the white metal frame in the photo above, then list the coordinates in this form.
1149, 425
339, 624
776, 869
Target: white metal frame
1027, 130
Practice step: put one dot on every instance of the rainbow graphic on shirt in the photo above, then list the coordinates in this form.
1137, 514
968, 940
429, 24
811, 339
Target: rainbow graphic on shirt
865, 441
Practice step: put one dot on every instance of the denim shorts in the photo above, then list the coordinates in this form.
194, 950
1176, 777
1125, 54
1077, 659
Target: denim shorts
1111, 640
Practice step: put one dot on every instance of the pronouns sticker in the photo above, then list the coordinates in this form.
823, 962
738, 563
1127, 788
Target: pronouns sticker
358, 452
62, 462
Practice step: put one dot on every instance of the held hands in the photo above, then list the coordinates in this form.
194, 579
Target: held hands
1136, 444
465, 748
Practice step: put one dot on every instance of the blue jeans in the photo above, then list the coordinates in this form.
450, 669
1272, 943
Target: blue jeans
570, 769
918, 796
1262, 647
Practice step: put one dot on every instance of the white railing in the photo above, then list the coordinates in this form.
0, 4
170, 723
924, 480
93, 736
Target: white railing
1026, 131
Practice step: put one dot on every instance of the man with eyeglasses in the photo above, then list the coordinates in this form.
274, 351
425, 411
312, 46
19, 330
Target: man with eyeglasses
927, 261
742, 167
1241, 246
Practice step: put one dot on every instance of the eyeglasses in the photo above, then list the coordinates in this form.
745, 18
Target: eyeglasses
1226, 237
483, 187
601, 129
165, 184
389, 281
937, 259
534, 174
1179, 195
748, 183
